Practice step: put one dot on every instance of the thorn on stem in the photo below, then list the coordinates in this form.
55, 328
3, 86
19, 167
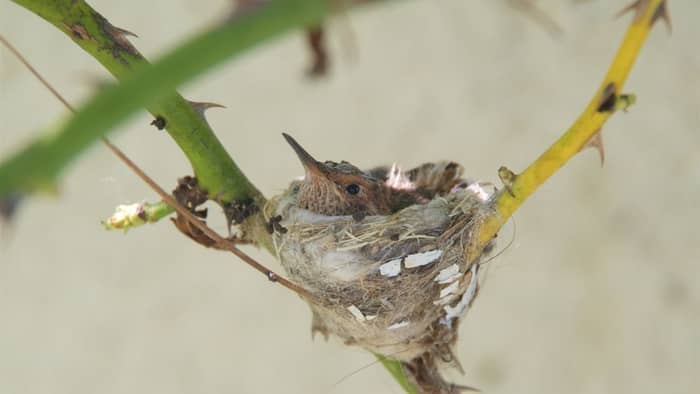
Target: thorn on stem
201, 107
117, 43
124, 32
596, 142
662, 12
119, 36
639, 6
78, 31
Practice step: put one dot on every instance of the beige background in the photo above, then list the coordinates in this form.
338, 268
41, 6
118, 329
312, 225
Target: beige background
600, 292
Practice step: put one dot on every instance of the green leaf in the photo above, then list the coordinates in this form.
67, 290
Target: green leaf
151, 86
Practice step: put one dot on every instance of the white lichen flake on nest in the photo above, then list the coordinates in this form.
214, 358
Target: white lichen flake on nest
395, 285
448, 274
452, 312
359, 316
420, 259
451, 289
401, 324
391, 269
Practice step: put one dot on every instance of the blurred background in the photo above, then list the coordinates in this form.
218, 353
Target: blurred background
599, 293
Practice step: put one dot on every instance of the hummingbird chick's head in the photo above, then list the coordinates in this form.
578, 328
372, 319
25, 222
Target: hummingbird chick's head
336, 189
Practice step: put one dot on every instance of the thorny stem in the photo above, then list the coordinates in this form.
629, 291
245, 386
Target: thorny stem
584, 129
179, 115
212, 165
216, 172
160, 210
520, 186
37, 166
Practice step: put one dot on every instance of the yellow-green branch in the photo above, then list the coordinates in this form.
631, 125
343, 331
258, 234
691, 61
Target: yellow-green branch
89, 31
601, 107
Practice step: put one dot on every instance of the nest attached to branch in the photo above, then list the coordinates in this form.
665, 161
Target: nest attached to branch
395, 285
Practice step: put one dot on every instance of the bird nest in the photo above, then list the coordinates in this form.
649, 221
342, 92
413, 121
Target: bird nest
395, 285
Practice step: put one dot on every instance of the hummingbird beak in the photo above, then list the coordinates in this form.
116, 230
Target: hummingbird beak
312, 166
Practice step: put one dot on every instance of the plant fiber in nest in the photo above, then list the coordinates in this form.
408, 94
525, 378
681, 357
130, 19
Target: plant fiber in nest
395, 285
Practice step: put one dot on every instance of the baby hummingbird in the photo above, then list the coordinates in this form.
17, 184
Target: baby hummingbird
337, 189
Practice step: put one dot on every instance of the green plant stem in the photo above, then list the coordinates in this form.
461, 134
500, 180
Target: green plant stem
142, 85
584, 129
396, 370
151, 86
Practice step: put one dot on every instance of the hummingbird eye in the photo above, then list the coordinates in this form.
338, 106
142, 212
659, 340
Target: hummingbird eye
352, 188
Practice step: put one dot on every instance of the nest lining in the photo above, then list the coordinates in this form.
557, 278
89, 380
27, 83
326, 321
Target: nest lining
395, 285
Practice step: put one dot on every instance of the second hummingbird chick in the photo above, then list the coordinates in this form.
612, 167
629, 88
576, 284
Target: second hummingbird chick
337, 189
